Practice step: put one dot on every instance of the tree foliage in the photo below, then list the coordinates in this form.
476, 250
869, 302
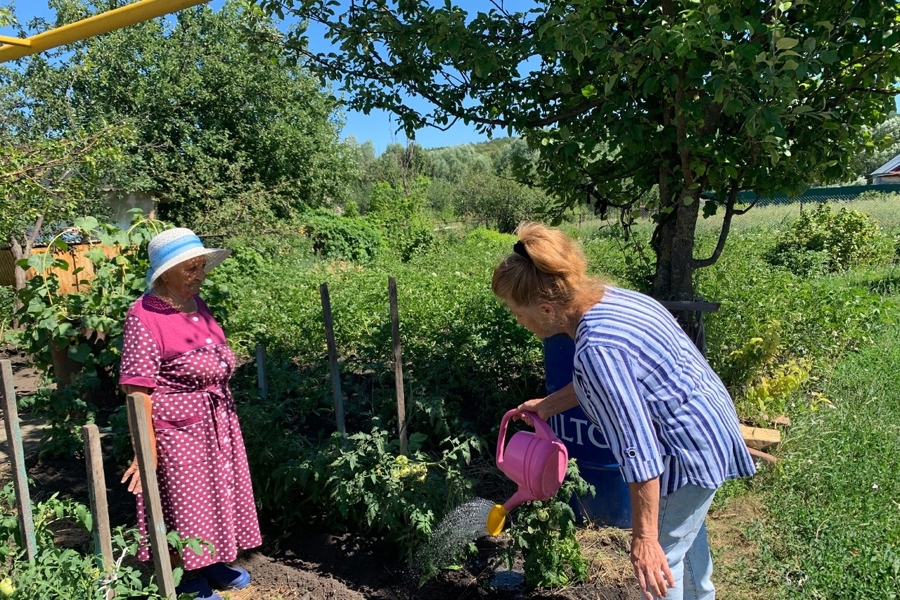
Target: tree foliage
231, 132
54, 181
691, 96
498, 202
884, 145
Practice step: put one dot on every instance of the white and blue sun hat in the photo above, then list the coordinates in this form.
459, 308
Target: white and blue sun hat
173, 246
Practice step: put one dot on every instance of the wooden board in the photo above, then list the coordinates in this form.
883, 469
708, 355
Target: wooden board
760, 438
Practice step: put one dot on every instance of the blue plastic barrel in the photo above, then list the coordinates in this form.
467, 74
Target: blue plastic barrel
587, 444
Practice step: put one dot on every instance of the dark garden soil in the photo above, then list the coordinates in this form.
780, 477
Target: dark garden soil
313, 565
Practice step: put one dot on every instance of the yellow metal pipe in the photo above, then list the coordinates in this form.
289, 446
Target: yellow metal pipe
15, 41
144, 10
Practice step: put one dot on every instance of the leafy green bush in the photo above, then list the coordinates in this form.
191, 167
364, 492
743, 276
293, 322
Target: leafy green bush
761, 386
498, 202
400, 214
361, 484
342, 238
824, 241
75, 338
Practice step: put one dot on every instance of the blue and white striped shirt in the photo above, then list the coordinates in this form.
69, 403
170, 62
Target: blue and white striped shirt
664, 411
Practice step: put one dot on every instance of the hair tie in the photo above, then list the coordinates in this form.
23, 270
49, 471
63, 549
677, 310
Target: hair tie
519, 248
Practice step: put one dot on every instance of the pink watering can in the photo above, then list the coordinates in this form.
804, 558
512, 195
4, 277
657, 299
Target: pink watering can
536, 461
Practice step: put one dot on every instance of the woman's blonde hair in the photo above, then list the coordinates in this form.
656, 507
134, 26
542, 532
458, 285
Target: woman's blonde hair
546, 266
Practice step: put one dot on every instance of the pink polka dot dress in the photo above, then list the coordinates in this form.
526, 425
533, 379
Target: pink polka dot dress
204, 479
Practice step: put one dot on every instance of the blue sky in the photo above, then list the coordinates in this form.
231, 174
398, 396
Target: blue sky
377, 126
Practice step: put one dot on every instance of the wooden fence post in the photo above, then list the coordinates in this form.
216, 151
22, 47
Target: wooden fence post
93, 457
17, 457
139, 423
261, 371
398, 365
332, 359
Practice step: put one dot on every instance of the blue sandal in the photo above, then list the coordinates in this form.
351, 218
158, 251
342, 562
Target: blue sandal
224, 577
197, 586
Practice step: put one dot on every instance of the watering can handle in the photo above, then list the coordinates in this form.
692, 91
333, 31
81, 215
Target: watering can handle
543, 429
501, 438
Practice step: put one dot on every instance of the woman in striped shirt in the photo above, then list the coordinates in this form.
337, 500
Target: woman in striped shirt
667, 416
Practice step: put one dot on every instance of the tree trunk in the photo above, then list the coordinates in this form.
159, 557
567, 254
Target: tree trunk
18, 253
674, 249
18, 276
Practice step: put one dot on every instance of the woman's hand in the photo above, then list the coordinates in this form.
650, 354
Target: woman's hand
134, 486
647, 557
557, 402
533, 406
651, 568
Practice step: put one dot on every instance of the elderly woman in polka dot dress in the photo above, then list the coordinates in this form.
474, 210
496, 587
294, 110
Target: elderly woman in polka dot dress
176, 354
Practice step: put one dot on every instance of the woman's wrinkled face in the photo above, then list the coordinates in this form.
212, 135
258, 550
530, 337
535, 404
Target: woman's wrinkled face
537, 319
185, 279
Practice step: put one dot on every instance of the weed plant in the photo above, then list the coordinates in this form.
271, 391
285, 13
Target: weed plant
61, 572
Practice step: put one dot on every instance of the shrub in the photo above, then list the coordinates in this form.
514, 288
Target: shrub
498, 202
81, 331
361, 484
743, 365
400, 214
341, 238
351, 208
825, 241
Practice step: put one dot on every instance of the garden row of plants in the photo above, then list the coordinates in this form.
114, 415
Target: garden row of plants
466, 361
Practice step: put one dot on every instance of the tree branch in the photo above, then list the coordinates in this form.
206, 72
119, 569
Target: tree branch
726, 228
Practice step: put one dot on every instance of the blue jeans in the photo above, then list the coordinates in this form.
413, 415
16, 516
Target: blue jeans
682, 535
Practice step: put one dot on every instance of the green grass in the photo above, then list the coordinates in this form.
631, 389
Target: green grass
834, 499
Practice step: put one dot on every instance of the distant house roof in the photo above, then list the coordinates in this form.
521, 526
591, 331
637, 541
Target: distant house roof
891, 167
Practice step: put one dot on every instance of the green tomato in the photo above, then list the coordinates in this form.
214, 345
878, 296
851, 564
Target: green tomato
543, 515
7, 588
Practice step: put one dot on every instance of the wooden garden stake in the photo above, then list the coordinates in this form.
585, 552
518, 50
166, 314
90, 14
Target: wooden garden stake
398, 364
332, 358
17, 457
93, 457
138, 421
261, 371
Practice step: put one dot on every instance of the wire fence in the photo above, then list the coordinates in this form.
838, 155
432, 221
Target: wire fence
880, 202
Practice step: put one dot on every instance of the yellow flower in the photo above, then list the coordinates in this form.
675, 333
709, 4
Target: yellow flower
7, 588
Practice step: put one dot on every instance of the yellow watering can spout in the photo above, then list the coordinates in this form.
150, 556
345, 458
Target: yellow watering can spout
496, 519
